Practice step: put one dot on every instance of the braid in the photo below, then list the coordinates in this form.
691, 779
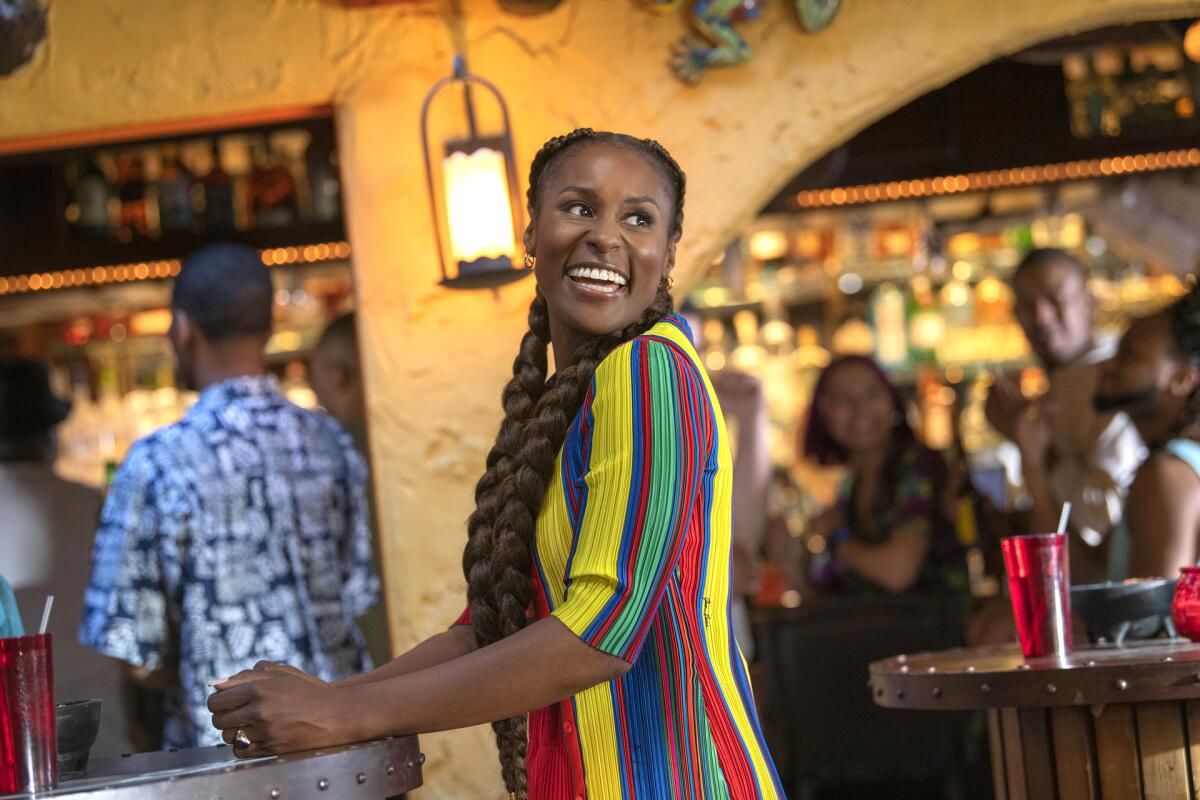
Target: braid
1184, 320
498, 559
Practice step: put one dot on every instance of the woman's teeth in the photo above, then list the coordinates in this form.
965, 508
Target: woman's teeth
602, 280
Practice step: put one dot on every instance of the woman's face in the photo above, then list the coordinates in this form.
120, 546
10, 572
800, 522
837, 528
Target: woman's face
858, 409
601, 234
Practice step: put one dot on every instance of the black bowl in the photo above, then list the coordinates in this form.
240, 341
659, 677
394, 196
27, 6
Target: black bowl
78, 724
1134, 609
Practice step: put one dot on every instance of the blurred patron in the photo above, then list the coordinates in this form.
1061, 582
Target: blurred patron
888, 528
1068, 450
1154, 377
241, 532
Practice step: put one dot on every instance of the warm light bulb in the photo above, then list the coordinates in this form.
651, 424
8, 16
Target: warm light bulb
768, 245
478, 208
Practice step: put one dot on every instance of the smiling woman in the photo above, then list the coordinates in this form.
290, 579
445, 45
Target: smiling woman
605, 509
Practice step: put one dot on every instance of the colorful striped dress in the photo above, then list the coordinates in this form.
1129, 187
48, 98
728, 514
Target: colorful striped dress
632, 554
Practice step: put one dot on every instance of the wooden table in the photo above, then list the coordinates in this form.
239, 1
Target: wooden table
1104, 722
368, 771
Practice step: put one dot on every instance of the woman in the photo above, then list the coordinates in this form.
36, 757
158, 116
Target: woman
888, 526
629, 674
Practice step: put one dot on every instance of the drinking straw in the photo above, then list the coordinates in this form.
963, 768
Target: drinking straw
46, 615
1062, 518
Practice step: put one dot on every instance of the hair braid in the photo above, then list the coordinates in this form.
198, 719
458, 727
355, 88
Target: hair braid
497, 561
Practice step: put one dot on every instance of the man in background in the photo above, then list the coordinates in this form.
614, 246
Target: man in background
1068, 450
336, 376
46, 537
241, 532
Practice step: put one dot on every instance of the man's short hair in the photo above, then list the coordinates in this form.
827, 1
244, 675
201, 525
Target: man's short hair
1044, 256
226, 291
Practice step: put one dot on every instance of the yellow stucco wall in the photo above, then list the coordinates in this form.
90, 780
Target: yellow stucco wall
436, 360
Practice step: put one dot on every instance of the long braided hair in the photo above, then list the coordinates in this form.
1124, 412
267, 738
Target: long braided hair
498, 560
1184, 320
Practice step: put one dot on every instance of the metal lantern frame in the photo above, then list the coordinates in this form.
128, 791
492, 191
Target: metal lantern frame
501, 142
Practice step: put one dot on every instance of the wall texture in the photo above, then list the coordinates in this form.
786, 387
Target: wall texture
436, 360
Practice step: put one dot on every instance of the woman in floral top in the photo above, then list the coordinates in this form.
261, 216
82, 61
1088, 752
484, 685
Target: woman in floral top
888, 527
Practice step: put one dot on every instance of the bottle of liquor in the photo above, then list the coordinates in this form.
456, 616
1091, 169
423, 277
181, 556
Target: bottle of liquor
219, 215
271, 189
133, 221
325, 189
91, 192
175, 211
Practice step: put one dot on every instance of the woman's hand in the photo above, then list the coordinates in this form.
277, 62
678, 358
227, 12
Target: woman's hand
280, 710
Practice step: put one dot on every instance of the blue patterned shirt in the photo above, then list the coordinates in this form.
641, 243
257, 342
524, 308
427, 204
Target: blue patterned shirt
237, 534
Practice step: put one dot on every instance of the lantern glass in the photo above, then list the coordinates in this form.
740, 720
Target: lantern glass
478, 209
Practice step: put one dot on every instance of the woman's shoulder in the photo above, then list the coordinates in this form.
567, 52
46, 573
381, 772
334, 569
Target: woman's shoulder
665, 346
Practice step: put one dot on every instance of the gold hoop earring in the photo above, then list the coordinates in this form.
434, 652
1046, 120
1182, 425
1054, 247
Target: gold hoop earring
530, 261
670, 282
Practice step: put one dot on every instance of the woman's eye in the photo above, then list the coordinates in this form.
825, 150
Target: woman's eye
639, 219
578, 210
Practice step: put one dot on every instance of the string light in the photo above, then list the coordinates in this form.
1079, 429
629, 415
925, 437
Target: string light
169, 268
996, 179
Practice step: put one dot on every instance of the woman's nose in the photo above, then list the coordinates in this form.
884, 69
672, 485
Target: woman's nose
603, 236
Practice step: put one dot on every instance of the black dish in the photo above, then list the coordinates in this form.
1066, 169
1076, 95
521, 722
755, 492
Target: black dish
1133, 609
78, 723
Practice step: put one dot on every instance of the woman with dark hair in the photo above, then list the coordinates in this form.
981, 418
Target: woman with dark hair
888, 526
597, 559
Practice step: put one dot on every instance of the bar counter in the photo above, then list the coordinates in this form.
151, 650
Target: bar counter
368, 771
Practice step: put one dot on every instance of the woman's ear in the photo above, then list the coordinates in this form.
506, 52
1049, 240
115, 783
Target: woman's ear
529, 239
1184, 380
670, 265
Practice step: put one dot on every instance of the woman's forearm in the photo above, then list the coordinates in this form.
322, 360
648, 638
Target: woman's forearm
438, 649
531, 669
895, 565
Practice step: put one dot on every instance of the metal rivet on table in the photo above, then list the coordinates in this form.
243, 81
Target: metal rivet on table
931, 670
411, 764
322, 784
1122, 684
1023, 666
275, 794
904, 669
391, 770
361, 777
936, 692
985, 689
1051, 688
970, 669
1167, 658
421, 758
902, 659
1090, 663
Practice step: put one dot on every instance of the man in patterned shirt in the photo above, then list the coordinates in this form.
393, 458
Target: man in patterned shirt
241, 532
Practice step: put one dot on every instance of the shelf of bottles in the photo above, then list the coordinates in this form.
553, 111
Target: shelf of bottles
105, 228
920, 285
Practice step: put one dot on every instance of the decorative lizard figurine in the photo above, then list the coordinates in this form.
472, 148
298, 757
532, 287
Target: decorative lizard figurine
717, 44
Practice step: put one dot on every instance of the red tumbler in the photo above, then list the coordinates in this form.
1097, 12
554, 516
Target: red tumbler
28, 739
1185, 605
1039, 583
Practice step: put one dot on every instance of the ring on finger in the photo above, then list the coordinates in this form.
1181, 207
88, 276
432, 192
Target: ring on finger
240, 739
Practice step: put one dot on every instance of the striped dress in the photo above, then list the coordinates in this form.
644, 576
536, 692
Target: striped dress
631, 553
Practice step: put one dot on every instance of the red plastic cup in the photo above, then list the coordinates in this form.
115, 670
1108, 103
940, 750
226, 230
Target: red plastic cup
1039, 583
1185, 604
28, 739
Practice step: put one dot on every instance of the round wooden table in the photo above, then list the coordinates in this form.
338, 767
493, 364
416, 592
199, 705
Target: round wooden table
1104, 722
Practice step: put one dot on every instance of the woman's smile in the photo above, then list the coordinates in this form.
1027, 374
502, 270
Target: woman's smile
597, 281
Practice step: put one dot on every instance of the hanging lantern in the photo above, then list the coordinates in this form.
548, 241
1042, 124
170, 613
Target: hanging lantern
473, 194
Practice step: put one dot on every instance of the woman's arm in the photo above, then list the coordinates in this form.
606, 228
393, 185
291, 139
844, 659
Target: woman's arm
437, 649
895, 564
1162, 512
533, 668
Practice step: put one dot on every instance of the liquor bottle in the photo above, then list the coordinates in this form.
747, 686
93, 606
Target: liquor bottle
271, 189
91, 192
132, 218
175, 211
219, 215
320, 158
